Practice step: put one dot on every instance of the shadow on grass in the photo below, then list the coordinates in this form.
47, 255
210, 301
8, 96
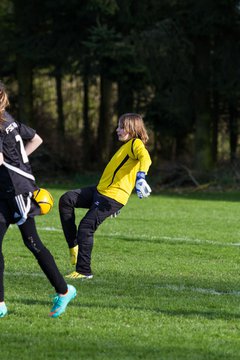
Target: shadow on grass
211, 315
178, 240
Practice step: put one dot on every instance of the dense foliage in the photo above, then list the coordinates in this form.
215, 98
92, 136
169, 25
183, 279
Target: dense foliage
72, 67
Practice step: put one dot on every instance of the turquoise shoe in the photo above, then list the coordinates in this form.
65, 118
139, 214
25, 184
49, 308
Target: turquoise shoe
60, 301
3, 309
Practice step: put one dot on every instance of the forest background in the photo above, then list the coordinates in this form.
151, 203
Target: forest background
71, 67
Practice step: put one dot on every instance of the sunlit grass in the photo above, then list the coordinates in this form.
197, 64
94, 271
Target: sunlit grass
166, 285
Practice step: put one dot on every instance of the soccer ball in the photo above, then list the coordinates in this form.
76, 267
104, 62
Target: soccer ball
44, 200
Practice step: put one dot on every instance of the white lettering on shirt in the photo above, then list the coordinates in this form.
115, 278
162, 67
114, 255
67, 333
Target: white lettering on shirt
11, 127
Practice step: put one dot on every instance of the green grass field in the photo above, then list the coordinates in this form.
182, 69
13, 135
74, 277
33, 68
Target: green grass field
166, 285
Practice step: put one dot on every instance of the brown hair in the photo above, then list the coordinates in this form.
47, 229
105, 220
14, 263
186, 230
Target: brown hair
4, 102
133, 124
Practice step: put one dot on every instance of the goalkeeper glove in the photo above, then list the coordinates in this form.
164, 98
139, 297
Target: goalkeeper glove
115, 214
142, 187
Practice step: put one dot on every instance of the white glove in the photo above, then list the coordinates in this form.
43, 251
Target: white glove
115, 214
143, 190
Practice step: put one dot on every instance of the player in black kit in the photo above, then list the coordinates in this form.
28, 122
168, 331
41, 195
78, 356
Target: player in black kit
17, 206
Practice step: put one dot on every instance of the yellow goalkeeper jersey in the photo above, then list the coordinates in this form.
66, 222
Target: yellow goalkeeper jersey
119, 176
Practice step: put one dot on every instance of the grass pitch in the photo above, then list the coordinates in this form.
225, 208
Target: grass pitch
166, 285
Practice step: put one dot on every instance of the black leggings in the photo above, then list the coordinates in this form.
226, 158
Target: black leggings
42, 254
100, 207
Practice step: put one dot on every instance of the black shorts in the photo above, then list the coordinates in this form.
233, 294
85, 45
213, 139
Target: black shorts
9, 210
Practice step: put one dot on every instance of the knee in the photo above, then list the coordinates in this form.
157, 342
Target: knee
65, 201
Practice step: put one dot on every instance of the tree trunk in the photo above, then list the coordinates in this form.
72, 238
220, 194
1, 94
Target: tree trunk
233, 128
125, 98
105, 119
25, 89
215, 121
203, 153
61, 118
23, 67
87, 143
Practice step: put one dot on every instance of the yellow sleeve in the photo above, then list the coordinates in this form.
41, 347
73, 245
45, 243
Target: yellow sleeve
140, 153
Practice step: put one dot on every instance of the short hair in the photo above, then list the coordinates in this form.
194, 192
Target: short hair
133, 124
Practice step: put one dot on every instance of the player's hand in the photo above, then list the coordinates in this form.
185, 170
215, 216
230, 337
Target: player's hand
143, 190
115, 214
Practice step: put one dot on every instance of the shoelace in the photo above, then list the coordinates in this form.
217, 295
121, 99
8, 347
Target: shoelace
54, 298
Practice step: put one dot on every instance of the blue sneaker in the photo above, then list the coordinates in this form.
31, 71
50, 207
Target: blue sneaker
3, 309
60, 301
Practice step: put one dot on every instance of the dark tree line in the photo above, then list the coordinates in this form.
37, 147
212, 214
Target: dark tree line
174, 61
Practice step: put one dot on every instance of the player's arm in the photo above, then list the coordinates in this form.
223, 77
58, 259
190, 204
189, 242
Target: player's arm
33, 144
141, 153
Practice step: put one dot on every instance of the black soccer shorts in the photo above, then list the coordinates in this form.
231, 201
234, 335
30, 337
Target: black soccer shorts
15, 210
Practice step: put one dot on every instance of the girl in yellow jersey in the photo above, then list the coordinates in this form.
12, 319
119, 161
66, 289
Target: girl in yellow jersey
127, 169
